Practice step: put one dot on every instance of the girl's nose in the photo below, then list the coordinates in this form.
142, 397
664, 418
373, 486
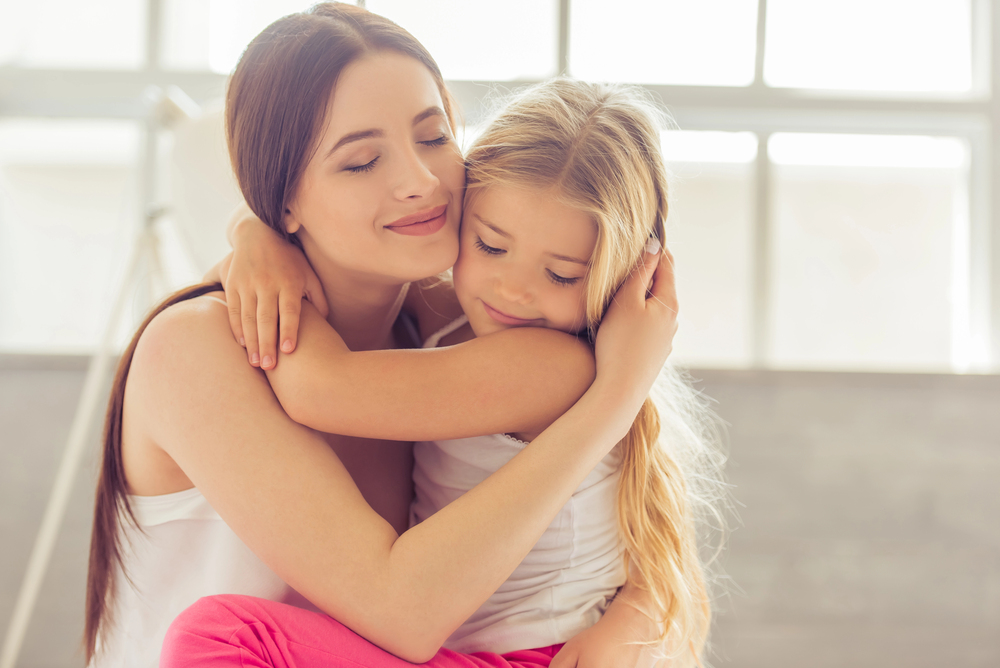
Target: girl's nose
513, 288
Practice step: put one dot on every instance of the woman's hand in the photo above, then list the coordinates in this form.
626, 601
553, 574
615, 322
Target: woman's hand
265, 278
635, 337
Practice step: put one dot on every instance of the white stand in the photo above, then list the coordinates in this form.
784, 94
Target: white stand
166, 108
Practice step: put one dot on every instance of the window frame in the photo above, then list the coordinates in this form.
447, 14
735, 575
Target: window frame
757, 108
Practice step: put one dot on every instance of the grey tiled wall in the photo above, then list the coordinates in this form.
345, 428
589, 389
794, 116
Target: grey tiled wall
870, 530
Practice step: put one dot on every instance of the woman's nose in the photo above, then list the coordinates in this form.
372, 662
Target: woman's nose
415, 178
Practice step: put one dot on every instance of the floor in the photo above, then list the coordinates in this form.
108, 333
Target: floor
868, 506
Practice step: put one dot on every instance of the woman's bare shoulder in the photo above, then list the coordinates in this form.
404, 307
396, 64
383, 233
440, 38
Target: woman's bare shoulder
184, 328
188, 342
182, 351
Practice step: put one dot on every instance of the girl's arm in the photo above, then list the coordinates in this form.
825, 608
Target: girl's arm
265, 283
517, 380
192, 396
514, 381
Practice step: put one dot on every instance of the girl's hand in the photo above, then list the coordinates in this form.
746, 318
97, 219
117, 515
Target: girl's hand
635, 337
613, 642
265, 278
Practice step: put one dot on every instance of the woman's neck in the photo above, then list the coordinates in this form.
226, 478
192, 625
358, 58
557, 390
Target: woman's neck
363, 309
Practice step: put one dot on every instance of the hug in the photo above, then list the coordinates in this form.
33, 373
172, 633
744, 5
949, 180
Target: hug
467, 447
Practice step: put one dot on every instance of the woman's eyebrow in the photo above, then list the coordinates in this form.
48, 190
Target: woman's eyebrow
427, 113
355, 136
376, 133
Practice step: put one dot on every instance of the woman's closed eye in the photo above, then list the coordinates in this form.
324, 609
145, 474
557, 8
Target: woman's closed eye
367, 167
440, 141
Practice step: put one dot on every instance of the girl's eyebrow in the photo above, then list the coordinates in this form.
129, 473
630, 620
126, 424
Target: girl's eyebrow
492, 226
566, 258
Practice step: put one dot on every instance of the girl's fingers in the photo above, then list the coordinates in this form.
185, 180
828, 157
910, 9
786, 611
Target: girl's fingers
248, 316
641, 279
235, 324
267, 329
564, 659
289, 306
314, 293
663, 288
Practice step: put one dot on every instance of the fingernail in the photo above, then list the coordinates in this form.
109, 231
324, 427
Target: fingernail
242, 342
286, 346
653, 245
255, 359
267, 362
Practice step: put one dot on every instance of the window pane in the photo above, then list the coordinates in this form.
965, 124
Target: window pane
73, 34
710, 42
867, 256
899, 45
66, 215
482, 40
709, 232
211, 34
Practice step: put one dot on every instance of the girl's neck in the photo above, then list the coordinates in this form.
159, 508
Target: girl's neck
363, 309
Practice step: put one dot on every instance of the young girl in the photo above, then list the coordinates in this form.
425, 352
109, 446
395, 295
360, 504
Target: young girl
564, 190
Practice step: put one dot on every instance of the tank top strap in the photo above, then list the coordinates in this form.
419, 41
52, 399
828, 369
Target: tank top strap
217, 299
434, 339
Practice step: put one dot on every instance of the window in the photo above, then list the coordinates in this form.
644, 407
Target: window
832, 181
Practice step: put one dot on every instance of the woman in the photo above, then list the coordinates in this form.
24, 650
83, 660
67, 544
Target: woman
191, 451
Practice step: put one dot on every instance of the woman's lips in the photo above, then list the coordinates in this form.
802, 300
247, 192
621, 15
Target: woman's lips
505, 319
421, 224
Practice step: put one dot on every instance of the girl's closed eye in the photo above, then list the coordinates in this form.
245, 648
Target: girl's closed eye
562, 280
489, 250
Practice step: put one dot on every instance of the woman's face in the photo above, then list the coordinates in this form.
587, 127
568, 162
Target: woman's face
382, 195
523, 261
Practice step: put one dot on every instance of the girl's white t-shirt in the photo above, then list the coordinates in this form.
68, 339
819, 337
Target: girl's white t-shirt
569, 578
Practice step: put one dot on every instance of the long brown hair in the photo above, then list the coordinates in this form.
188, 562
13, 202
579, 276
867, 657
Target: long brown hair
111, 505
276, 102
597, 147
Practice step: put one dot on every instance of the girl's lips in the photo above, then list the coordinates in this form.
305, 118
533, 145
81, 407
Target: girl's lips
505, 319
421, 224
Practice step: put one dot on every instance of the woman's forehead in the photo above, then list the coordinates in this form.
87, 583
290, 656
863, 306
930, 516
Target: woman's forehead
380, 88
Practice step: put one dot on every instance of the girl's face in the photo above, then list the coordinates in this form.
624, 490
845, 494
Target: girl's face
382, 195
523, 261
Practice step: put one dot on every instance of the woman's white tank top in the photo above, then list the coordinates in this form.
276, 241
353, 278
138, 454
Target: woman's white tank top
566, 582
184, 551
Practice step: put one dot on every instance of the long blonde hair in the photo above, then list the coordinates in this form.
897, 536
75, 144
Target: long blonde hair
597, 148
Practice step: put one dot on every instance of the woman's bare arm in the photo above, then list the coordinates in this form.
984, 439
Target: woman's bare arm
192, 394
518, 380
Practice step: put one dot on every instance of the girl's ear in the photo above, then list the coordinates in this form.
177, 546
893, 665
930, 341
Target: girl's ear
291, 221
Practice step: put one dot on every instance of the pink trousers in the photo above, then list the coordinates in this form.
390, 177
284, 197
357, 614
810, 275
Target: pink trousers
252, 632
